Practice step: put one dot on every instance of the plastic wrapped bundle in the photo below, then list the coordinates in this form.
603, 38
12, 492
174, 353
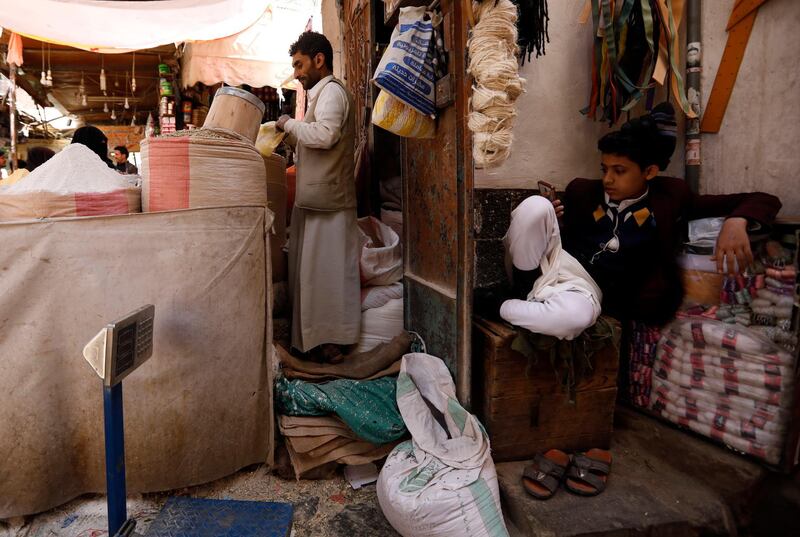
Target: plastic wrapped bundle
726, 382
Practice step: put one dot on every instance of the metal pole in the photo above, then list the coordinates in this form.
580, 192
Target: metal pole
12, 114
115, 457
693, 72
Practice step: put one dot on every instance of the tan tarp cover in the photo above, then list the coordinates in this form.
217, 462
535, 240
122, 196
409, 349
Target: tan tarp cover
198, 410
111, 27
258, 55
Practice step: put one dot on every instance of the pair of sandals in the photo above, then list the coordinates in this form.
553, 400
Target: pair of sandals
584, 474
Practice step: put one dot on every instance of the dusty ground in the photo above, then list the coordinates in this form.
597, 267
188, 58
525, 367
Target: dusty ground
323, 508
664, 482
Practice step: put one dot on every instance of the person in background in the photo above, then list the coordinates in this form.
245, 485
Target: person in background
121, 161
3, 163
37, 156
17, 175
94, 139
324, 243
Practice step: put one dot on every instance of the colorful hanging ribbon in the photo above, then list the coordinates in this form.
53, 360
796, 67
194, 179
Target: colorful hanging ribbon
630, 37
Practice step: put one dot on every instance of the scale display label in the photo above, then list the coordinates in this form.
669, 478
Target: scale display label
126, 349
122, 346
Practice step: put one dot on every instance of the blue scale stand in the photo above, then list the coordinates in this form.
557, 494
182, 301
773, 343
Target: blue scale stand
115, 352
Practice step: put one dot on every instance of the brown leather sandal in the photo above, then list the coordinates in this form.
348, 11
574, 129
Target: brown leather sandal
588, 474
541, 478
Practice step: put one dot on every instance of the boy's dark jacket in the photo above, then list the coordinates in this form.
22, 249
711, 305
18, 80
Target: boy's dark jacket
656, 292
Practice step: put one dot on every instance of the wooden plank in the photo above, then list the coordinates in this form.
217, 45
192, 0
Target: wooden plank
507, 372
726, 74
433, 316
524, 407
553, 422
741, 10
521, 379
437, 214
431, 206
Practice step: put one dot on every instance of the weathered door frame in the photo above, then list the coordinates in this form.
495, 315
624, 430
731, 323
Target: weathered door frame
441, 301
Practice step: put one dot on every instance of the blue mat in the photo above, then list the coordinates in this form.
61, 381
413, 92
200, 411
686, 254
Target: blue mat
198, 517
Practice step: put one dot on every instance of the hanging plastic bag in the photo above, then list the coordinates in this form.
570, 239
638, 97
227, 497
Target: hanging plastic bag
269, 138
406, 68
400, 119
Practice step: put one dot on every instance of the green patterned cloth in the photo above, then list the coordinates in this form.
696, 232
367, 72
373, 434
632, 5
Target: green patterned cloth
368, 407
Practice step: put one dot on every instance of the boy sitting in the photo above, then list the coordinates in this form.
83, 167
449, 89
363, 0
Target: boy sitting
624, 231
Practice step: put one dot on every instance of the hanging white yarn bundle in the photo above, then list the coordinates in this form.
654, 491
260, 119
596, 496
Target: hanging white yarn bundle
493, 65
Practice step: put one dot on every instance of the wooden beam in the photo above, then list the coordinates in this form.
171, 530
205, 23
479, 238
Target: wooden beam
741, 10
740, 25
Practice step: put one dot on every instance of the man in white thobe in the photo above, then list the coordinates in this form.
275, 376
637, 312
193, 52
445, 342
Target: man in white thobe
324, 243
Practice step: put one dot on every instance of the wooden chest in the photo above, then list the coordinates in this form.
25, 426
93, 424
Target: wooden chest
525, 408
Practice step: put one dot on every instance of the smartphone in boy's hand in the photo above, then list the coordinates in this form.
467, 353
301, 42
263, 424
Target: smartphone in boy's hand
547, 190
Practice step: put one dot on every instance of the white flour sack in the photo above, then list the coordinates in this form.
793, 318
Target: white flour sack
382, 254
442, 482
75, 182
381, 324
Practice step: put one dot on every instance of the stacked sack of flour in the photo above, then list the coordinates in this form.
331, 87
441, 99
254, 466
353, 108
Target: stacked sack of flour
726, 382
381, 268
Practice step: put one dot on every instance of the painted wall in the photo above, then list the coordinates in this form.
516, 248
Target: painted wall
757, 147
332, 28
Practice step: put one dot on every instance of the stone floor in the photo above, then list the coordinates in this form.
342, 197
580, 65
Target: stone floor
323, 508
663, 483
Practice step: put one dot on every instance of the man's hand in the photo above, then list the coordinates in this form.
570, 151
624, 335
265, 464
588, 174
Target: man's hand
282, 122
559, 207
733, 243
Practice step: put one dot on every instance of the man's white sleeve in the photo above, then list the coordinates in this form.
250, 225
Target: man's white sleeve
330, 115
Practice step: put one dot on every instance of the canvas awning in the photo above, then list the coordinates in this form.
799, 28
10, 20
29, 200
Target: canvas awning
257, 56
113, 27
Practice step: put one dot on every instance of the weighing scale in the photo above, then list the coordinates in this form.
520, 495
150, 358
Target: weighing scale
114, 353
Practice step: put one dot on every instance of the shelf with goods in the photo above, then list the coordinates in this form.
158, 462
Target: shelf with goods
194, 106
168, 96
271, 99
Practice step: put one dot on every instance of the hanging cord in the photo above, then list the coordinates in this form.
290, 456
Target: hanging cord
493, 65
532, 28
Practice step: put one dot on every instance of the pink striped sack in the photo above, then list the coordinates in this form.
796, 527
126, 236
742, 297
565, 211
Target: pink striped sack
201, 168
34, 205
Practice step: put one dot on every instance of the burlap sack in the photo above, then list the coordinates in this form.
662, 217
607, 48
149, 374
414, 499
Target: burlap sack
36, 205
201, 168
